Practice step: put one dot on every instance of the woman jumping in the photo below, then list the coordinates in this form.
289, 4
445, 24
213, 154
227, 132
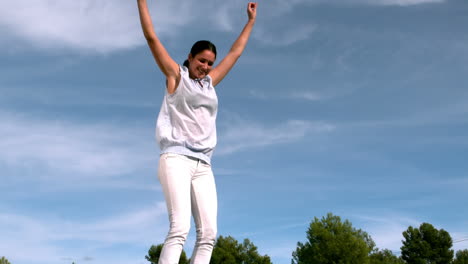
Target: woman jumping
186, 133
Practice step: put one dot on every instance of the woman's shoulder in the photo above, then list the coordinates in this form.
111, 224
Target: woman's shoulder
209, 80
183, 70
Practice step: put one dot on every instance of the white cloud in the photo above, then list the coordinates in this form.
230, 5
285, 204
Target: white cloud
89, 25
373, 2
258, 94
43, 237
101, 26
453, 112
225, 15
307, 95
131, 227
386, 231
404, 2
460, 239
296, 95
238, 134
285, 37
108, 25
24, 232
80, 151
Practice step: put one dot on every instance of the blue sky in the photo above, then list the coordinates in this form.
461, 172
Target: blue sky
355, 107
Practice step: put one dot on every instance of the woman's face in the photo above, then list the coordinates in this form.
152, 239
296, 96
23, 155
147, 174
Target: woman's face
201, 64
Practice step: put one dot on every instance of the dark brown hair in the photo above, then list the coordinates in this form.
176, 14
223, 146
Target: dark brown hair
200, 46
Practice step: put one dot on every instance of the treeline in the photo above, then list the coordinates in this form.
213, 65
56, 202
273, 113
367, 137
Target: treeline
227, 250
330, 240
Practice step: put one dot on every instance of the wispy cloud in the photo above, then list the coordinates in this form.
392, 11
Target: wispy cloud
307, 95
372, 2
259, 94
43, 237
88, 25
295, 95
460, 239
284, 37
404, 2
239, 134
106, 26
387, 230
57, 147
101, 26
453, 113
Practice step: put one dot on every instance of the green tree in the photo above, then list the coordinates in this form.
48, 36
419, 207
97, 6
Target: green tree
426, 245
155, 251
461, 257
3, 260
331, 241
384, 257
228, 250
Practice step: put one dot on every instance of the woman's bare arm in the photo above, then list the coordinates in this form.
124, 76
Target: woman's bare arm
167, 65
221, 70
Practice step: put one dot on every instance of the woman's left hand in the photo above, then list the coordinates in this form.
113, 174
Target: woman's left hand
252, 10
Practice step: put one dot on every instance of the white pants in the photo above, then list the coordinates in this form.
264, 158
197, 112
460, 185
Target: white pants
189, 188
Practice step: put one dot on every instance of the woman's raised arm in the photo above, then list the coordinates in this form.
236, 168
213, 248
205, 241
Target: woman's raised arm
167, 65
219, 72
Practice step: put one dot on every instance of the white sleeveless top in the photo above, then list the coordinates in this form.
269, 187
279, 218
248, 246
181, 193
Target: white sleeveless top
187, 120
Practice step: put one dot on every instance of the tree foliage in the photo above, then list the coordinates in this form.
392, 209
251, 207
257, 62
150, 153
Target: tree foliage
3, 260
384, 257
228, 250
461, 257
155, 251
426, 245
331, 241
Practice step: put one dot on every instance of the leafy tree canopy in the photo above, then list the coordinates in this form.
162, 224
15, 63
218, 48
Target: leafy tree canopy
228, 250
426, 245
331, 241
384, 257
3, 260
155, 251
461, 257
